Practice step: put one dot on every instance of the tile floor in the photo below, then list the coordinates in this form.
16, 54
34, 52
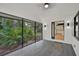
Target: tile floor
45, 48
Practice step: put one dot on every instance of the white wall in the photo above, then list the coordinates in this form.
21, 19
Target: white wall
55, 12
64, 12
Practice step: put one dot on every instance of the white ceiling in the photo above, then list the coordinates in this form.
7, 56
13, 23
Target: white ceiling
36, 10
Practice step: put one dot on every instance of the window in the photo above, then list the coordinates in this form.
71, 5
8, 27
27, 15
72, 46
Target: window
16, 33
38, 31
10, 34
76, 26
28, 32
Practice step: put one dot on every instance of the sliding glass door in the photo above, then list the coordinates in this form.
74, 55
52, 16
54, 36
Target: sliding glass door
17, 33
10, 35
28, 32
32, 32
38, 31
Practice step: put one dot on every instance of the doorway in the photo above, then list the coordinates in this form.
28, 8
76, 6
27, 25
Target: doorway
57, 30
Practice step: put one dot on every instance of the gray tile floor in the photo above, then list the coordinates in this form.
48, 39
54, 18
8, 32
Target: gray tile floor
45, 48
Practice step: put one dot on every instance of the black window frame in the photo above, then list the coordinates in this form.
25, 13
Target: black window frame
21, 19
75, 24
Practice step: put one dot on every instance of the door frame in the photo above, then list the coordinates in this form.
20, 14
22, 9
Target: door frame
54, 29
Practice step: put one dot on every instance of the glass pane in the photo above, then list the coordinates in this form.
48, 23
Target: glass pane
53, 30
38, 31
28, 32
77, 26
10, 35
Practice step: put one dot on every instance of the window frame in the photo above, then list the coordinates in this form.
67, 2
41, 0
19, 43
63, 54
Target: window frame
22, 20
